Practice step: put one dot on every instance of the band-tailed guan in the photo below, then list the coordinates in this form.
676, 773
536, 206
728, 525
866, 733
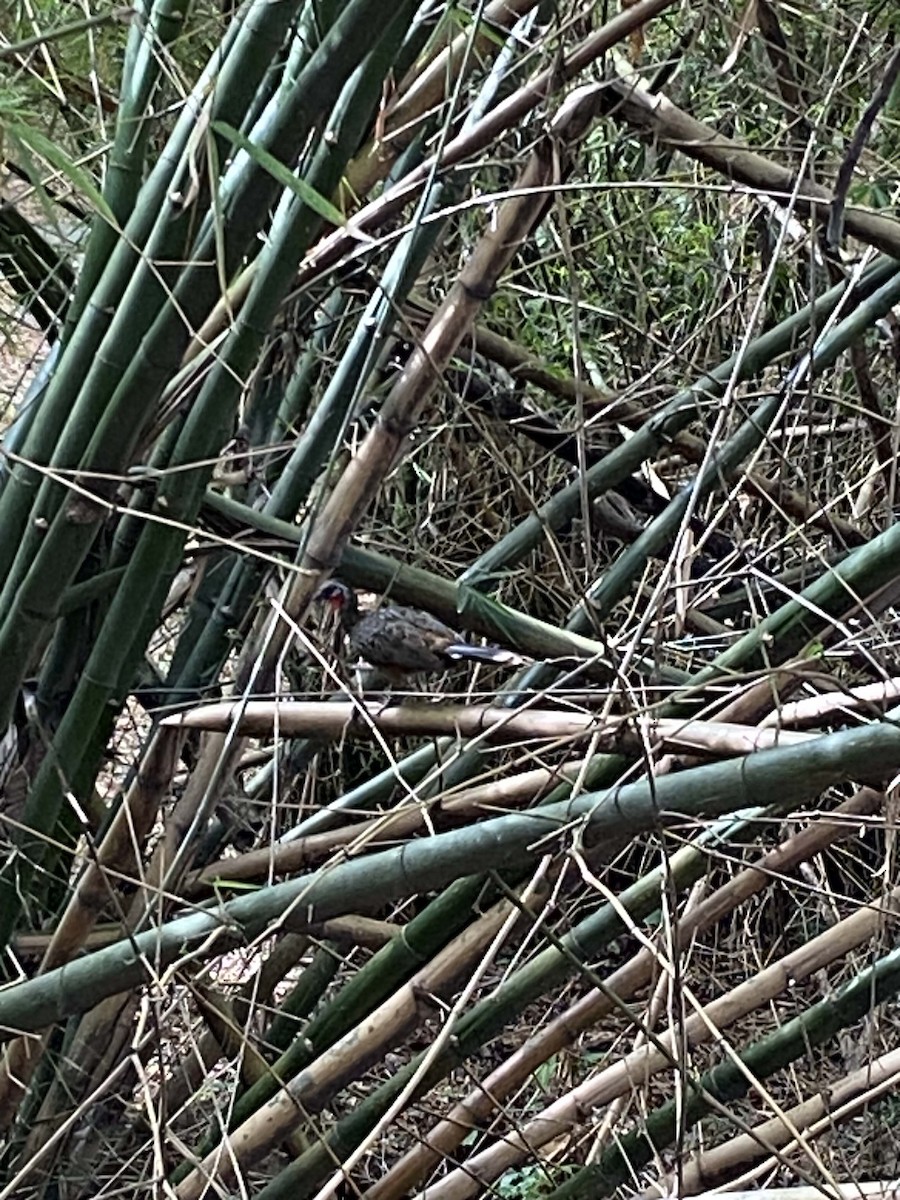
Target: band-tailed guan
402, 641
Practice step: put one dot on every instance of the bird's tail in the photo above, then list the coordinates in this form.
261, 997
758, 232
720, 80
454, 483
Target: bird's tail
489, 654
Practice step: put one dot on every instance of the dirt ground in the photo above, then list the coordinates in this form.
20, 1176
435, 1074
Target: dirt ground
22, 345
22, 349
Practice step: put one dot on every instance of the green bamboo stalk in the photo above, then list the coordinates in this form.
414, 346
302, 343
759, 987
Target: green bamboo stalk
723, 464
438, 923
730, 1080
155, 25
297, 400
293, 1011
202, 659
134, 610
112, 424
792, 774
158, 226
660, 429
348, 122
501, 1009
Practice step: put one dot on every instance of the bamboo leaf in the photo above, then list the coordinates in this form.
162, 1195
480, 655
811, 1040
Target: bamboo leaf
27, 138
280, 172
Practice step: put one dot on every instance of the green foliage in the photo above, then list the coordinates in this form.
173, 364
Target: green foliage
26, 145
530, 1183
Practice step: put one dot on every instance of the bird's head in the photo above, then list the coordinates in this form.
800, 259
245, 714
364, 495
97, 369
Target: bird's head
337, 595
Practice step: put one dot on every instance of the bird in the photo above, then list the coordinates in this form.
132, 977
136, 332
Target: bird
402, 641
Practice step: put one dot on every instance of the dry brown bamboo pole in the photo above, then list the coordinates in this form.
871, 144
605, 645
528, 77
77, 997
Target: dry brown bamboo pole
115, 859
507, 115
389, 438
653, 113
105, 1031
478, 1107
301, 718
635, 1070
850, 700
481, 800
747, 704
387, 1026
818, 1115
421, 95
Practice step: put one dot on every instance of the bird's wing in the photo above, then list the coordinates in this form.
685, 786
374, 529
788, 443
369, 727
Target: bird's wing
428, 627
393, 637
